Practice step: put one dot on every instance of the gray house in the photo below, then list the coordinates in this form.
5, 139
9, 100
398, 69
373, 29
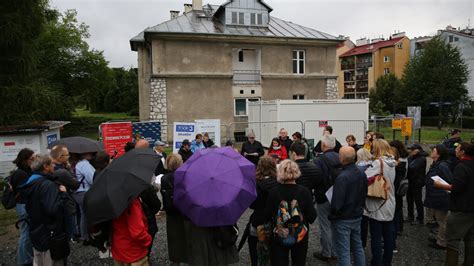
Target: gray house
211, 61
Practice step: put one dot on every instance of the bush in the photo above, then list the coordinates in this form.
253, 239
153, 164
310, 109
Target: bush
467, 122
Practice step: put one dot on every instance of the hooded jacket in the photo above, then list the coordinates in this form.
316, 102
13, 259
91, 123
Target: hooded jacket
263, 189
374, 208
437, 198
417, 169
44, 205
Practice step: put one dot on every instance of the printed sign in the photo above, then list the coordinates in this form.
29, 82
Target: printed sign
397, 123
115, 136
182, 131
11, 145
323, 123
407, 127
212, 127
415, 113
51, 138
151, 131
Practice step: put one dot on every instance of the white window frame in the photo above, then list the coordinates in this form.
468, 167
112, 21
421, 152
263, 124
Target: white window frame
241, 18
298, 60
400, 45
451, 38
260, 19
386, 59
247, 100
236, 16
386, 71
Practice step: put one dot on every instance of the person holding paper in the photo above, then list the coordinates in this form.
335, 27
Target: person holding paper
438, 199
460, 224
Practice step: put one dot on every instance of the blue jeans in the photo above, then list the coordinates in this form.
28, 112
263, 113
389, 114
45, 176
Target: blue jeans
387, 231
25, 248
347, 239
328, 249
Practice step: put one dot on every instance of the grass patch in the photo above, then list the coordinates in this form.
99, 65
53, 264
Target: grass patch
83, 112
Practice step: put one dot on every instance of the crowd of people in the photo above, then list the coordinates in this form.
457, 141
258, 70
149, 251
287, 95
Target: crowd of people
351, 190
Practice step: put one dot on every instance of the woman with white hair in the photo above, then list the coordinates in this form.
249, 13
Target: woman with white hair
290, 208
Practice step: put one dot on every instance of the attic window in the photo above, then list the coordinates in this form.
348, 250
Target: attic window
260, 19
234, 17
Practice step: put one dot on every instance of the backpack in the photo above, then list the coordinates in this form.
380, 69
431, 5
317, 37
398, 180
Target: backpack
289, 228
225, 236
9, 196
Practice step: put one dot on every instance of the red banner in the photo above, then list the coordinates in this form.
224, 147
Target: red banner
115, 136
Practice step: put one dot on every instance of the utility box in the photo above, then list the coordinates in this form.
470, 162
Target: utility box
266, 118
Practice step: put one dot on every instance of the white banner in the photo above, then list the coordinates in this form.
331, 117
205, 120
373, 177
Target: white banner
11, 145
212, 127
182, 131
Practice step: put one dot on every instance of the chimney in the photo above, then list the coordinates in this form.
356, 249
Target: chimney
174, 14
398, 34
362, 41
376, 40
188, 8
197, 4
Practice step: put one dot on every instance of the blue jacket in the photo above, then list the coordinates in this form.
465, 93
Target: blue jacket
349, 193
436, 198
197, 146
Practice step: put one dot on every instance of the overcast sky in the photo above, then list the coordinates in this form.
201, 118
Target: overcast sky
113, 22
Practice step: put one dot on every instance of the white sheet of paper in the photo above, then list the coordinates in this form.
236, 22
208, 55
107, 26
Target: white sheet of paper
329, 193
438, 178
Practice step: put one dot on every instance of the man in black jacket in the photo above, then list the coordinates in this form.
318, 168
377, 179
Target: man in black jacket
185, 150
319, 149
347, 207
310, 176
416, 181
252, 149
45, 207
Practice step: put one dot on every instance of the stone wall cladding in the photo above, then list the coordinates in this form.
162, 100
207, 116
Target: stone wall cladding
331, 89
158, 104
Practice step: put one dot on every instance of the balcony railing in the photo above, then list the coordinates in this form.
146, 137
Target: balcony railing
362, 77
244, 77
364, 64
345, 66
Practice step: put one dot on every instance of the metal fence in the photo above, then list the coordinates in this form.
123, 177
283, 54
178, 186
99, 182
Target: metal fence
313, 129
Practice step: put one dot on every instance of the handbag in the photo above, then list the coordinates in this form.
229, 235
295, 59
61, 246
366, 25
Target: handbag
403, 188
59, 246
378, 186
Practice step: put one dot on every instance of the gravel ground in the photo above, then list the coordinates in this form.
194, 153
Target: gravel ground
412, 247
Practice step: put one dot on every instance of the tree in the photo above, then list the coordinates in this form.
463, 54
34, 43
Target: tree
437, 75
382, 97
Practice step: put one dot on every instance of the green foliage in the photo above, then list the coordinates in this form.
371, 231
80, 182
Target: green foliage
382, 98
436, 74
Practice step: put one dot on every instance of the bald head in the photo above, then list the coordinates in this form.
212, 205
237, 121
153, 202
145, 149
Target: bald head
347, 155
142, 144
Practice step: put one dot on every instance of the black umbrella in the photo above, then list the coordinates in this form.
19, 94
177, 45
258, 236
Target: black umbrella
119, 184
78, 144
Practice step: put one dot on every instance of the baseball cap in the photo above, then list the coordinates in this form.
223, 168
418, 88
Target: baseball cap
186, 142
160, 143
415, 147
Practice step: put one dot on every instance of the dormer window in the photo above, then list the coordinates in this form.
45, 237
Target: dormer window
260, 19
234, 17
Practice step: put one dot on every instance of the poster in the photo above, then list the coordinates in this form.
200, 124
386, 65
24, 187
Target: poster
151, 131
407, 127
212, 127
51, 139
415, 113
182, 131
11, 145
115, 136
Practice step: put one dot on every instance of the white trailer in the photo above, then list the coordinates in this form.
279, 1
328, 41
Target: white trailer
346, 117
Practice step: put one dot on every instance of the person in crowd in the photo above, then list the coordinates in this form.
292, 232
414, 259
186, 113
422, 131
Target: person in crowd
401, 156
285, 140
142, 144
160, 150
130, 237
297, 137
266, 175
101, 161
416, 181
252, 149
289, 193
197, 144
60, 156
438, 199
318, 149
451, 144
208, 143
368, 140
129, 146
23, 164
351, 142
178, 246
310, 174
277, 150
326, 163
347, 207
460, 224
230, 143
44, 204
364, 161
382, 212
185, 150
85, 175
378, 135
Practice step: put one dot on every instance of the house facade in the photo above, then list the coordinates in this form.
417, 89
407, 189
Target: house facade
210, 61
362, 65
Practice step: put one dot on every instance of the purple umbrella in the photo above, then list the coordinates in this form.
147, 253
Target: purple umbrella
214, 187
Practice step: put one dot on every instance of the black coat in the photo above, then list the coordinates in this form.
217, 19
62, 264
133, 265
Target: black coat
151, 206
417, 169
310, 176
318, 148
255, 147
185, 154
461, 198
208, 144
450, 145
263, 189
326, 175
437, 198
287, 143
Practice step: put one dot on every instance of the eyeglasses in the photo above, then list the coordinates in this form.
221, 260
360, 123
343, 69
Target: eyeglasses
65, 155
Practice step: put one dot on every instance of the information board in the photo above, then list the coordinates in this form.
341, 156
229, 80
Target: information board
115, 136
182, 131
212, 127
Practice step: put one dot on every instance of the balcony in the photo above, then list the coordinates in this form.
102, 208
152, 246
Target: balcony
247, 77
347, 65
362, 77
364, 64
